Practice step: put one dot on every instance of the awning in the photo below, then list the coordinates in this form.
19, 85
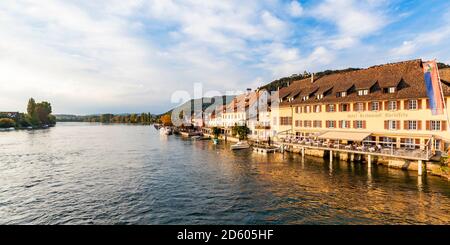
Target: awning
351, 136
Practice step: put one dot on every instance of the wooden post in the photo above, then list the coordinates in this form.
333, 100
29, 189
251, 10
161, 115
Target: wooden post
419, 168
303, 151
331, 156
369, 161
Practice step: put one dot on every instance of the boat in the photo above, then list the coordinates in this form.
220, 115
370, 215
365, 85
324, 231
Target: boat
165, 131
240, 145
216, 141
197, 137
7, 129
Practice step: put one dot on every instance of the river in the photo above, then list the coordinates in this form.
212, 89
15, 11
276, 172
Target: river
83, 173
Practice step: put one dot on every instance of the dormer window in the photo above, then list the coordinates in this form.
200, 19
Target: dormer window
320, 96
390, 90
305, 98
342, 94
363, 92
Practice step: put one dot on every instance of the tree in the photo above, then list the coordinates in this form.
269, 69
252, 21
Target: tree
31, 106
166, 120
43, 111
7, 123
216, 132
242, 132
33, 117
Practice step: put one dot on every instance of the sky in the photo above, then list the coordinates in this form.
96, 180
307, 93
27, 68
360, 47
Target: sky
118, 56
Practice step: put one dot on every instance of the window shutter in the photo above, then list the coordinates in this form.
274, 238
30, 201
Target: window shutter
354, 124
340, 124
398, 125
428, 104
370, 106
364, 106
402, 140
296, 109
419, 125
406, 125
398, 105
444, 125
354, 106
320, 108
327, 108
364, 124
386, 124
300, 123
427, 125
405, 104
386, 104
417, 141
349, 124
419, 104
338, 107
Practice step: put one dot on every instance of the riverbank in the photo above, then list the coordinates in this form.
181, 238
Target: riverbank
430, 167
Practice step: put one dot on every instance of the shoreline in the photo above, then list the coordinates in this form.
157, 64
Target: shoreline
431, 168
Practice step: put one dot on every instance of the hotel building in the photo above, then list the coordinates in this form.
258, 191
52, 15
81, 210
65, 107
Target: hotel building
383, 104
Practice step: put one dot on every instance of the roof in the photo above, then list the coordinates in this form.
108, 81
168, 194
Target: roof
406, 76
351, 136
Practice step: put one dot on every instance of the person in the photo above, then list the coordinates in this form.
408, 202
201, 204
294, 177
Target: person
269, 141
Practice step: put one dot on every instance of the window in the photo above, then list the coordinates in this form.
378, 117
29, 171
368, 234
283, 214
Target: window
305, 98
359, 124
391, 90
345, 107
359, 107
410, 143
307, 124
317, 124
412, 125
345, 124
320, 96
393, 125
331, 124
375, 106
317, 108
285, 121
412, 104
363, 92
392, 105
435, 125
307, 109
331, 108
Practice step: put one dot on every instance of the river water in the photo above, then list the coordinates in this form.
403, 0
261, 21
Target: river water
82, 173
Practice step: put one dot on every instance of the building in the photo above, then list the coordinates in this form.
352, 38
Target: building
384, 104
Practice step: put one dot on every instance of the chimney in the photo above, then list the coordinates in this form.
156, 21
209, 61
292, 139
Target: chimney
288, 83
312, 77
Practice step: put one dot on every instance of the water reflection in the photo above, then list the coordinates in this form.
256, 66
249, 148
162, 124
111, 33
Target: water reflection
89, 173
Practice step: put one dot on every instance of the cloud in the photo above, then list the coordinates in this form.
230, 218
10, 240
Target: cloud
88, 56
295, 9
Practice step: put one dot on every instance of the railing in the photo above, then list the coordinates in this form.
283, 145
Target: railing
367, 147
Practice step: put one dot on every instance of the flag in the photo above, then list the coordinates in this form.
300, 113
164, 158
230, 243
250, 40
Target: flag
434, 91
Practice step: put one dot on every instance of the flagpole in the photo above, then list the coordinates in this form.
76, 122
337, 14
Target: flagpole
442, 94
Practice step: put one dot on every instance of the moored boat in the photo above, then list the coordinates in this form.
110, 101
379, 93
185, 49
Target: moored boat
165, 131
240, 145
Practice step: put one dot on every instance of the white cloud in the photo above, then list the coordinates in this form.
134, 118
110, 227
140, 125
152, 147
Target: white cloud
88, 56
354, 20
295, 9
